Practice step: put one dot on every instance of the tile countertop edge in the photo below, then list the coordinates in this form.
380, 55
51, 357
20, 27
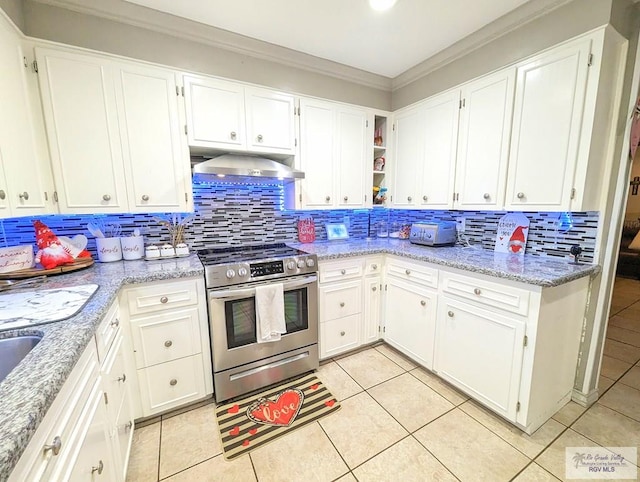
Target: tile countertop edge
532, 270
28, 391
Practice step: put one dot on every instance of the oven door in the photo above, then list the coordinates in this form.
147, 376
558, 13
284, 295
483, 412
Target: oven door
232, 318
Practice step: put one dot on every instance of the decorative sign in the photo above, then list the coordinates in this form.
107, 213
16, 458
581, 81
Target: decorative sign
337, 231
511, 237
306, 230
16, 258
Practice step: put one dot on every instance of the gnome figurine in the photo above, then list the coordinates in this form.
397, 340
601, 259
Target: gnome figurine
516, 241
50, 253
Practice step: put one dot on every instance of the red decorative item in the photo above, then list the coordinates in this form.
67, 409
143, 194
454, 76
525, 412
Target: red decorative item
306, 230
50, 253
517, 240
281, 411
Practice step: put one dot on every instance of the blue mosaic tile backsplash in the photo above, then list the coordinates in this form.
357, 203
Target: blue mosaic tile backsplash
252, 213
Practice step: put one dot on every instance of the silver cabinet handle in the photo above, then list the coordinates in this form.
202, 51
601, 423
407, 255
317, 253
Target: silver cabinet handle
520, 195
3, 194
342, 304
55, 446
123, 378
374, 288
346, 198
486, 195
24, 196
407, 272
145, 197
409, 198
450, 314
328, 198
342, 333
128, 425
168, 343
164, 299
259, 137
173, 382
374, 266
233, 135
106, 197
342, 271
115, 323
424, 198
477, 291
98, 469
423, 303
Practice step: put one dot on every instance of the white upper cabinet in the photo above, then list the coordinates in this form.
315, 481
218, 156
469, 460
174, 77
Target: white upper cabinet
79, 103
334, 155
409, 148
26, 184
547, 122
155, 158
483, 141
227, 116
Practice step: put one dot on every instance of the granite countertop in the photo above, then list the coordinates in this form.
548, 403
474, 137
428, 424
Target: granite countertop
29, 390
533, 270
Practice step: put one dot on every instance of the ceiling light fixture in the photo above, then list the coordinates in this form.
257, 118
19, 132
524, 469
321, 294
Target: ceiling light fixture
382, 5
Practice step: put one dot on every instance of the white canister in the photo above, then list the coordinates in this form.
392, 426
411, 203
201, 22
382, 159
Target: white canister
132, 247
109, 249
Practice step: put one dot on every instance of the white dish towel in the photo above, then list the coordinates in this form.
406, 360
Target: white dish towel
270, 322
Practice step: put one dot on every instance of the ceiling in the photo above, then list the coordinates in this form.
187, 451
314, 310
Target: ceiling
348, 31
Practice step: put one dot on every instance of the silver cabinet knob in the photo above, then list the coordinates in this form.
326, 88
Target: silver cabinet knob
233, 135
342, 304
123, 378
173, 382
259, 137
106, 197
423, 303
343, 271
450, 314
346, 198
55, 446
424, 198
374, 288
115, 323
409, 198
328, 198
477, 291
99, 468
342, 333
24, 196
3, 194
374, 266
145, 197
164, 299
407, 272
168, 343
487, 196
520, 195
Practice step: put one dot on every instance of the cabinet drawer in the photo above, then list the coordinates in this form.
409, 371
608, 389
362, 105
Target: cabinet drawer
344, 269
413, 272
373, 265
171, 384
495, 295
165, 337
340, 299
158, 297
338, 336
107, 330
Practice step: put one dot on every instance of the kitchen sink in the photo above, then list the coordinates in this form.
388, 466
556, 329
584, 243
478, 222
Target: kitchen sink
13, 350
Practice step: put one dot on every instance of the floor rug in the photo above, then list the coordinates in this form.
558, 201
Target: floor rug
254, 421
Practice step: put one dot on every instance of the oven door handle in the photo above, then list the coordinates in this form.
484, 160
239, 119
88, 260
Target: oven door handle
248, 292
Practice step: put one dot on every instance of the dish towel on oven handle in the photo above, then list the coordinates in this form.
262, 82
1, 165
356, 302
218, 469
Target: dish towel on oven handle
270, 322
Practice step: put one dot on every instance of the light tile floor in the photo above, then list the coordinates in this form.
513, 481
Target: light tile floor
400, 422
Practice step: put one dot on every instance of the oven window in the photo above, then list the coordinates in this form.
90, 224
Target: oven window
240, 317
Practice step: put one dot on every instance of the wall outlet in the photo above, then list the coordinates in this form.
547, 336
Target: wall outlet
461, 224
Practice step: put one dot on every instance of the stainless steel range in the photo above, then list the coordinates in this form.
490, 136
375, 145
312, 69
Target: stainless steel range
240, 363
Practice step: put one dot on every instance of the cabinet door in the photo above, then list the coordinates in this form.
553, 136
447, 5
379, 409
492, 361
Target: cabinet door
270, 121
29, 184
481, 353
317, 127
156, 162
440, 137
352, 136
409, 155
372, 309
549, 103
483, 141
215, 113
80, 113
410, 320
5, 209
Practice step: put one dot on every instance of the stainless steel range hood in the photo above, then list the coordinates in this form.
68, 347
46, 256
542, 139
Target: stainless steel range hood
245, 166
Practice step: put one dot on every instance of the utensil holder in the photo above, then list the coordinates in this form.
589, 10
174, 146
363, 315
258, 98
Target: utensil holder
109, 249
132, 247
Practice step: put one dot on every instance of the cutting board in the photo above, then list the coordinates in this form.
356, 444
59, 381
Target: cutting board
79, 263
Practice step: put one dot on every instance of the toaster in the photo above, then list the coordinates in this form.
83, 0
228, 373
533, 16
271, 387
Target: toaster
441, 233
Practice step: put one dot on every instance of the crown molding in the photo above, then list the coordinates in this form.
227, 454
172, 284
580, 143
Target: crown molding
496, 29
142, 17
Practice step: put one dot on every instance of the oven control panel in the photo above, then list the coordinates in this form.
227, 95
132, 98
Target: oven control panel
265, 269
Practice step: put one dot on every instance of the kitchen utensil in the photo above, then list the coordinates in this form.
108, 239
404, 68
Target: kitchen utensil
95, 230
7, 284
136, 232
112, 230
